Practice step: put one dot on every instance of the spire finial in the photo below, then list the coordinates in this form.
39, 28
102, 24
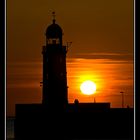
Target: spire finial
53, 15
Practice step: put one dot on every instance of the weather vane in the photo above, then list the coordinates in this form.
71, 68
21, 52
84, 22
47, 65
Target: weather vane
53, 15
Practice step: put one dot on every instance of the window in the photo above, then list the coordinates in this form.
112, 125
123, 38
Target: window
53, 41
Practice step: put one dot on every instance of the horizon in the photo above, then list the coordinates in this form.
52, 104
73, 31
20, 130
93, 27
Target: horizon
26, 90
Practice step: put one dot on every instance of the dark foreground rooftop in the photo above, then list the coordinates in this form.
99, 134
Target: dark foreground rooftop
82, 121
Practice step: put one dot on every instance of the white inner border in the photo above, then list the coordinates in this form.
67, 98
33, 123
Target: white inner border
134, 99
5, 2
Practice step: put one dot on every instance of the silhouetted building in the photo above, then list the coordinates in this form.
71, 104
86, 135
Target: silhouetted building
54, 68
55, 118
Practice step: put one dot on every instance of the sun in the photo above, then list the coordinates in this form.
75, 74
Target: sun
88, 87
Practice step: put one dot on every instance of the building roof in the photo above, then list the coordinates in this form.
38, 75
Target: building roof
54, 31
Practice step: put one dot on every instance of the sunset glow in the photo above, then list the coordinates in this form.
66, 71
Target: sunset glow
102, 49
107, 76
88, 87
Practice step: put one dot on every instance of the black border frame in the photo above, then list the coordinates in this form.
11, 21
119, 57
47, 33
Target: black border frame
137, 70
2, 70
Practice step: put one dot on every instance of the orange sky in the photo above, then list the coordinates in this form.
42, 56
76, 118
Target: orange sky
110, 76
92, 26
101, 32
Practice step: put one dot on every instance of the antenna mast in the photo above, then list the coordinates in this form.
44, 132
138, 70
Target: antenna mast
53, 15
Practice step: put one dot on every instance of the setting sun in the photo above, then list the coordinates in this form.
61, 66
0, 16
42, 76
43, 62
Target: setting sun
88, 87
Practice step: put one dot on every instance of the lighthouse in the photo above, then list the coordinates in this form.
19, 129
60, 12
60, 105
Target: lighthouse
54, 84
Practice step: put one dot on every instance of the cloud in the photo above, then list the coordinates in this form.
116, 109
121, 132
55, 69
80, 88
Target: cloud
114, 56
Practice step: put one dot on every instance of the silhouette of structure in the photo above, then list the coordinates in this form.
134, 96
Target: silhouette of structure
55, 118
54, 68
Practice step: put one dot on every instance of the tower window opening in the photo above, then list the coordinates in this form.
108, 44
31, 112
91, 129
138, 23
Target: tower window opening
53, 41
61, 74
60, 60
47, 76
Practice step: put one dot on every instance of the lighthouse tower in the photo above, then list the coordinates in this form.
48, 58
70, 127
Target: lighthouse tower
54, 83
